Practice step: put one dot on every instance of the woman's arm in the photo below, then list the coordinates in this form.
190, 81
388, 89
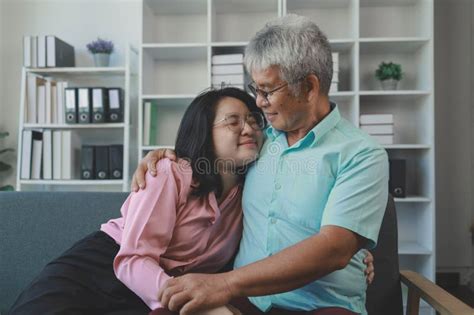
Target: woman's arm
149, 217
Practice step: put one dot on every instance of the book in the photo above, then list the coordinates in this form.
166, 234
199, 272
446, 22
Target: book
228, 79
146, 123
227, 59
376, 119
27, 51
25, 171
37, 155
41, 103
69, 156
47, 154
59, 53
57, 152
386, 129
33, 81
383, 139
41, 51
228, 69
153, 124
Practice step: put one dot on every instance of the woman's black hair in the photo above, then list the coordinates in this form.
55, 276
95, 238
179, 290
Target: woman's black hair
194, 140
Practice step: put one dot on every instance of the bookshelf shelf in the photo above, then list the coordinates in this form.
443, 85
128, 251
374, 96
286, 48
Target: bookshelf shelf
117, 182
412, 199
412, 248
75, 126
83, 134
79, 71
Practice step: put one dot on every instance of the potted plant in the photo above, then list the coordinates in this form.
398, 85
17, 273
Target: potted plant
389, 73
101, 49
4, 166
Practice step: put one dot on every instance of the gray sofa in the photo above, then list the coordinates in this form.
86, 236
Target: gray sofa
35, 227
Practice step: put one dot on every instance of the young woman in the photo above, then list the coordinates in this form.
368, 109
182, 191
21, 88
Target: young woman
188, 219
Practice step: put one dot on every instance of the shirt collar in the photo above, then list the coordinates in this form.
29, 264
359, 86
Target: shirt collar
318, 131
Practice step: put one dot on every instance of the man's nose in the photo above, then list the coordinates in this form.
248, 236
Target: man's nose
261, 101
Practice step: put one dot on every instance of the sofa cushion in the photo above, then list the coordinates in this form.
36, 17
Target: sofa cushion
36, 227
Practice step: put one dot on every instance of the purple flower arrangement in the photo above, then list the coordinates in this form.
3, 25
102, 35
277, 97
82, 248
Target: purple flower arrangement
101, 46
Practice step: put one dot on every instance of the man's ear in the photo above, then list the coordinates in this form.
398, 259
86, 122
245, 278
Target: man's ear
312, 88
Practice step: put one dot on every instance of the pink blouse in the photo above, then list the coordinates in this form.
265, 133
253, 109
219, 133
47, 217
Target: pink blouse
165, 232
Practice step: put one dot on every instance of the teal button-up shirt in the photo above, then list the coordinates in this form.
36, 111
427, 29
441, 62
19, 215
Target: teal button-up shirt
335, 175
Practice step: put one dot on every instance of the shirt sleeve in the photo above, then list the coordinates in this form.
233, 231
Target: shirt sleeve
149, 221
358, 199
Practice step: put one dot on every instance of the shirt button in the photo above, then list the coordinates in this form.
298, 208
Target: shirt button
273, 221
277, 186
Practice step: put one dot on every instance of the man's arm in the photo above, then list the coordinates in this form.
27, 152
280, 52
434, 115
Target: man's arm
293, 267
149, 163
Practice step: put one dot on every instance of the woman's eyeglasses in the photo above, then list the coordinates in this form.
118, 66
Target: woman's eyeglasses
236, 122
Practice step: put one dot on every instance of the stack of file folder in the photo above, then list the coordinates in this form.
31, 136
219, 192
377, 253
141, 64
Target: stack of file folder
228, 70
379, 127
47, 51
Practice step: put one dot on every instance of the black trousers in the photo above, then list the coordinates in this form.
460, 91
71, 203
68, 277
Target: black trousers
80, 281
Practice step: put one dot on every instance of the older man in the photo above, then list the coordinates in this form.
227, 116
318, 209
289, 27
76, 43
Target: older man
312, 201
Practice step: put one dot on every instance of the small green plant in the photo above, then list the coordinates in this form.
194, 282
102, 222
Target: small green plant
389, 70
4, 166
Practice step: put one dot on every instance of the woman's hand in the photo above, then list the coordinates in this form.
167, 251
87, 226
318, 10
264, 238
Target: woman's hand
149, 163
370, 270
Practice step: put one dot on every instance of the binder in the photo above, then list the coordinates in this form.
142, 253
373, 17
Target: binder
71, 145
397, 178
47, 154
227, 59
99, 101
59, 53
116, 161
101, 157
115, 108
41, 51
41, 103
25, 172
87, 162
228, 69
84, 105
71, 105
27, 51
37, 155
57, 154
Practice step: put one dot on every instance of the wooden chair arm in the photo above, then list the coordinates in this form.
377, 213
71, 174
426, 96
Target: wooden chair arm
438, 298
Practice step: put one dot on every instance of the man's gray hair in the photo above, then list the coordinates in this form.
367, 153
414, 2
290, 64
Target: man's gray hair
297, 46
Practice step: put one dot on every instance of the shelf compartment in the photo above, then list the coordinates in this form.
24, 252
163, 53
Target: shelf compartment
169, 115
174, 70
347, 60
415, 59
395, 18
238, 21
167, 21
335, 17
412, 127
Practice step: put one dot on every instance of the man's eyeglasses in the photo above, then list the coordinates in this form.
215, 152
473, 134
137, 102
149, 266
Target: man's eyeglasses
236, 122
265, 94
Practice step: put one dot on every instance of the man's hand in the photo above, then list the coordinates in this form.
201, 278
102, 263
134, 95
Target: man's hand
370, 270
192, 293
149, 163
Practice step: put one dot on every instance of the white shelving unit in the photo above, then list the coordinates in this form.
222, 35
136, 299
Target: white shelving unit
124, 133
176, 64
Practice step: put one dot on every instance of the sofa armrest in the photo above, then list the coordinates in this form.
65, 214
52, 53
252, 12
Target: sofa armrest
438, 298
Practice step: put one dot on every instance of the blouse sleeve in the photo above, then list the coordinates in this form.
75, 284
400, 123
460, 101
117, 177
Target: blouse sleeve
149, 221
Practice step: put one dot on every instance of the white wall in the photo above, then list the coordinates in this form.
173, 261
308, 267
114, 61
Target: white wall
76, 22
454, 138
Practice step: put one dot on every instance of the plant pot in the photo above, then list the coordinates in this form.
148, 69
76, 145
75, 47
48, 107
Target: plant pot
101, 60
389, 84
